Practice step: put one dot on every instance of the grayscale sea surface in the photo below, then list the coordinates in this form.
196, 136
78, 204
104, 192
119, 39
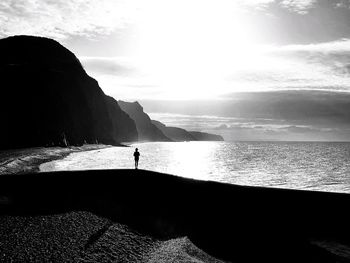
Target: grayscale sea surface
322, 166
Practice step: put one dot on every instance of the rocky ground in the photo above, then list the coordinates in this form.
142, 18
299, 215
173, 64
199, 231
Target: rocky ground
85, 237
142, 216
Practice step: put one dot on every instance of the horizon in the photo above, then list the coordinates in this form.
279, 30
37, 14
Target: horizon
258, 70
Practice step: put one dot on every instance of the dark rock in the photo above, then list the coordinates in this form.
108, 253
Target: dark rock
178, 134
47, 98
124, 128
147, 131
203, 136
174, 133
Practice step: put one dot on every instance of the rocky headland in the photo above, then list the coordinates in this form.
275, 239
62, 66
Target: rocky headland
146, 129
179, 134
48, 99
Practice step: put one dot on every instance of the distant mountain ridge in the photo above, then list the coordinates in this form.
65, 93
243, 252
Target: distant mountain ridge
174, 133
147, 131
179, 134
203, 136
47, 98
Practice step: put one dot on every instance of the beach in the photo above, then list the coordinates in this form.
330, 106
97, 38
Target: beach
28, 160
143, 216
75, 236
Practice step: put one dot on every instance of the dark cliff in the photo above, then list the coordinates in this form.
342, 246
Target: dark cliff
147, 131
203, 136
174, 133
124, 128
178, 134
47, 98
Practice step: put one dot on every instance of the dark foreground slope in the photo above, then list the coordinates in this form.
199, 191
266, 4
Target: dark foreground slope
233, 223
47, 98
147, 131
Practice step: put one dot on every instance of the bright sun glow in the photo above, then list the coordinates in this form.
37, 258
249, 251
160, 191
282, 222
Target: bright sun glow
208, 49
191, 47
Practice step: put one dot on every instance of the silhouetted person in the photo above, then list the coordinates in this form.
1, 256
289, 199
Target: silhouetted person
136, 157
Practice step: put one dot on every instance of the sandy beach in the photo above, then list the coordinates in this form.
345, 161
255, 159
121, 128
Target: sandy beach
19, 161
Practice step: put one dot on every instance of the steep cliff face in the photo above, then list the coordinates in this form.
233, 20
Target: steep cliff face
124, 128
174, 133
203, 136
147, 131
47, 98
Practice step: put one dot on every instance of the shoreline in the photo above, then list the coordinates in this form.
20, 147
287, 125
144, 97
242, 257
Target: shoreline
28, 160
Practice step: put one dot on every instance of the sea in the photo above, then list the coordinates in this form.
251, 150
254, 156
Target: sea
319, 166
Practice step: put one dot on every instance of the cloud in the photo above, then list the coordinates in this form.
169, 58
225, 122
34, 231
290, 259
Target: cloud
292, 133
192, 122
198, 122
298, 6
338, 46
114, 66
60, 19
121, 77
274, 110
342, 4
331, 59
250, 128
322, 66
222, 124
333, 56
207, 69
283, 133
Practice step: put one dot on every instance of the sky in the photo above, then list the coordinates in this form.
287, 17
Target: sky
245, 69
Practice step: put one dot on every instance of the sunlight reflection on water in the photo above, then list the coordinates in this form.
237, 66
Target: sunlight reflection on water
316, 166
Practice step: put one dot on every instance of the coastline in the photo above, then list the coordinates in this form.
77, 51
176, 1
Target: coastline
139, 216
28, 160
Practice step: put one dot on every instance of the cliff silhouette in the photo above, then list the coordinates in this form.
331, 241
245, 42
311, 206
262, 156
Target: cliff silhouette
203, 136
123, 126
47, 98
178, 134
147, 131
